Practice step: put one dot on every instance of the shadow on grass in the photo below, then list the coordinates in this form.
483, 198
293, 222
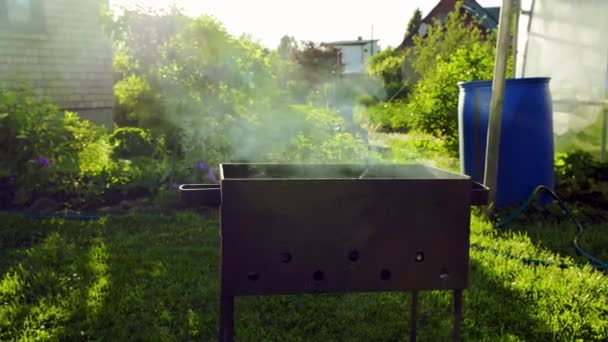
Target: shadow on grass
164, 280
492, 312
156, 278
137, 278
45, 289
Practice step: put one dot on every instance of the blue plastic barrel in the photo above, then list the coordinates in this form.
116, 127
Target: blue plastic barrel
526, 141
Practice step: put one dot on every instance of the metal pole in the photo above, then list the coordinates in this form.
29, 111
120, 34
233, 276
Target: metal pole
498, 91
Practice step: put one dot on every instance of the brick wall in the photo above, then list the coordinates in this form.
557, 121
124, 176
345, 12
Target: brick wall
70, 60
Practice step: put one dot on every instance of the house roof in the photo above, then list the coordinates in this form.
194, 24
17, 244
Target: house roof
488, 20
494, 12
488, 15
352, 42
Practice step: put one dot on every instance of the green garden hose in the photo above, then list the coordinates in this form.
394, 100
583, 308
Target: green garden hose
39, 216
601, 265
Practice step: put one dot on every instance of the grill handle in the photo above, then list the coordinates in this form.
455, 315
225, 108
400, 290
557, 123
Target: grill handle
197, 195
479, 194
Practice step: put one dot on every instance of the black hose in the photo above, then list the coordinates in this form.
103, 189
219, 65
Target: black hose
601, 265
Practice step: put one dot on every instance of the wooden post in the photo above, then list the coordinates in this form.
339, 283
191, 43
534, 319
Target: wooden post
604, 132
604, 120
516, 12
498, 91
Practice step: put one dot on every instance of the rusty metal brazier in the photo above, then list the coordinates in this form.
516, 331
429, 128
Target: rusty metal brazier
290, 229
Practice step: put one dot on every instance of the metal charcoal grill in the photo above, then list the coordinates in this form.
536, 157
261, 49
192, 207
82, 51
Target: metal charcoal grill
290, 229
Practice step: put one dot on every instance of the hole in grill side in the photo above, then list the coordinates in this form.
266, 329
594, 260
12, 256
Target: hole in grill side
385, 274
318, 275
353, 255
286, 257
253, 276
419, 257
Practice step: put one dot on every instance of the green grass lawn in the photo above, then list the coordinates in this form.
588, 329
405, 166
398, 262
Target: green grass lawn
155, 278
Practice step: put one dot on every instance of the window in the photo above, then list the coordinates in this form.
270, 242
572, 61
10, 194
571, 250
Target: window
422, 29
21, 16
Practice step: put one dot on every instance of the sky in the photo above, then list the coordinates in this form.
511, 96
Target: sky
315, 20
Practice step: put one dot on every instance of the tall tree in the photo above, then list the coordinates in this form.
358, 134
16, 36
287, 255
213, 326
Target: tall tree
318, 63
287, 46
445, 37
415, 21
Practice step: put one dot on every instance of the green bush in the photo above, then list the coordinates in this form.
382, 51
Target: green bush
141, 175
458, 31
454, 50
390, 116
213, 97
387, 65
137, 103
48, 151
581, 178
187, 80
72, 162
420, 147
366, 100
433, 105
131, 142
306, 134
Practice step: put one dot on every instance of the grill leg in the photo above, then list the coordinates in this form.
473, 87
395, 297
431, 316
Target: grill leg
226, 319
457, 314
413, 310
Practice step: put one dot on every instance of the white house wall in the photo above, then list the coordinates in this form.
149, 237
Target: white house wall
355, 57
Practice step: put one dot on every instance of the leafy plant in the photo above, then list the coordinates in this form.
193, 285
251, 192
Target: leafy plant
49, 152
422, 148
131, 142
580, 177
310, 134
387, 65
318, 64
433, 105
188, 81
390, 116
457, 31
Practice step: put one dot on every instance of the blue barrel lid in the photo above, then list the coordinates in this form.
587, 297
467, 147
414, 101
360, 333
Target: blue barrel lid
510, 81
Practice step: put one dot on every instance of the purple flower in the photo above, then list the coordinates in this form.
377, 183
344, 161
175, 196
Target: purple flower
43, 162
202, 166
211, 175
